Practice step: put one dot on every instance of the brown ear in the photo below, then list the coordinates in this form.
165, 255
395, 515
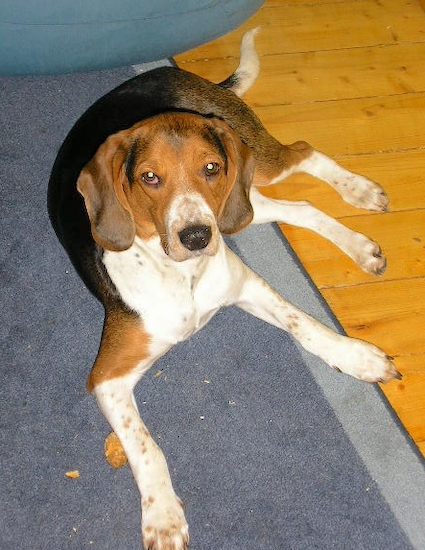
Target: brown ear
101, 184
237, 211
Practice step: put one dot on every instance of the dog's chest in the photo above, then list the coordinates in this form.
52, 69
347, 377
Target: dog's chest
174, 299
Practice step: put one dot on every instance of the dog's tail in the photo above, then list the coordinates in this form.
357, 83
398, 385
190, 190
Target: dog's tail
249, 66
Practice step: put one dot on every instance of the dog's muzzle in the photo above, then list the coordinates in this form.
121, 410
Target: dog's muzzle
195, 237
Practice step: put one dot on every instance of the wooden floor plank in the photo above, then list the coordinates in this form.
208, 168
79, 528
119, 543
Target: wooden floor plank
359, 72
407, 396
347, 127
391, 314
289, 27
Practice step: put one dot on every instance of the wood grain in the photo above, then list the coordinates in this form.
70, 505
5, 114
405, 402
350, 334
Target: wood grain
316, 26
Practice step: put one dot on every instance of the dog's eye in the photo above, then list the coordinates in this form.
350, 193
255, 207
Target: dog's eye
150, 178
212, 168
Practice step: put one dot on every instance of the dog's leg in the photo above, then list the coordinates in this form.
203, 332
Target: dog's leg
365, 252
301, 157
355, 357
125, 354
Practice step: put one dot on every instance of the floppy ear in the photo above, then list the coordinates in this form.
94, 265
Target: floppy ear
237, 211
101, 184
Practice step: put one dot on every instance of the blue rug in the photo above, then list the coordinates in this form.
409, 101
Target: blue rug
268, 447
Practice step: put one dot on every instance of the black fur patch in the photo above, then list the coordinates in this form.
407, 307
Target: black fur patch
130, 162
211, 136
230, 82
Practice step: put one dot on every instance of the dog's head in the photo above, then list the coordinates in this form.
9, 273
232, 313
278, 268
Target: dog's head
177, 175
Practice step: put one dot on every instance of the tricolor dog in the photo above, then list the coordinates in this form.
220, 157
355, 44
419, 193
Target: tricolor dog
142, 189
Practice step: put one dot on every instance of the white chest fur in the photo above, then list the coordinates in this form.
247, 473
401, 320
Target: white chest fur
174, 299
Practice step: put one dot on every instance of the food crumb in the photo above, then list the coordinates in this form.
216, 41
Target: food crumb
114, 453
72, 474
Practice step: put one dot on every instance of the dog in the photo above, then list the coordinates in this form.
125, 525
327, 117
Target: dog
141, 192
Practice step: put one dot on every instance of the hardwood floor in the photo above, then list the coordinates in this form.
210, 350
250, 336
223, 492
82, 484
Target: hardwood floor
349, 77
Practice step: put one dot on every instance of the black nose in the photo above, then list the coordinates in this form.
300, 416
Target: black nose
195, 237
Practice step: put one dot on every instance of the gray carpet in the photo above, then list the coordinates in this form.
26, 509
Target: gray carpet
268, 448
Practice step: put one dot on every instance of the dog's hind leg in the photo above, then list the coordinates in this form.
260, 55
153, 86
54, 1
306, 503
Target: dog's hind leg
123, 357
355, 189
363, 251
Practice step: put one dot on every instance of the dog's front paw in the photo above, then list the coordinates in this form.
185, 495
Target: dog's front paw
164, 525
363, 193
365, 362
367, 254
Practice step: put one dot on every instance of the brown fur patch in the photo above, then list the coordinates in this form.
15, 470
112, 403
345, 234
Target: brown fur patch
124, 345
